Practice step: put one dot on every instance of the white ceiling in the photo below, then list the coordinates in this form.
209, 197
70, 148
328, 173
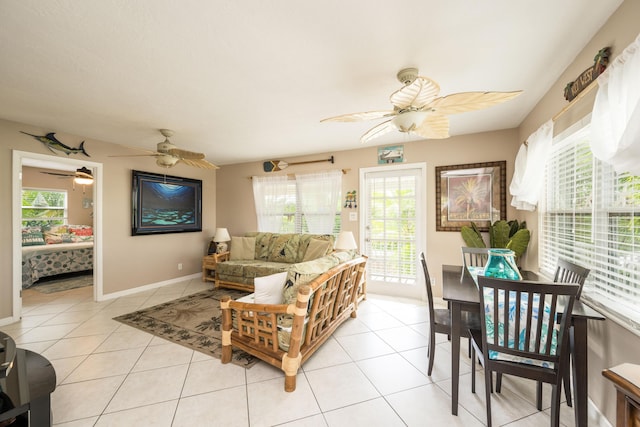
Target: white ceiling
251, 80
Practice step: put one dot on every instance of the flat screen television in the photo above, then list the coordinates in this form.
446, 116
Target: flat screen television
165, 204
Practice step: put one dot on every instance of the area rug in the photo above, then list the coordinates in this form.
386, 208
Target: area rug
193, 321
63, 284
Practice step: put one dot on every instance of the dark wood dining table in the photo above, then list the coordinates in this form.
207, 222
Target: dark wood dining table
461, 292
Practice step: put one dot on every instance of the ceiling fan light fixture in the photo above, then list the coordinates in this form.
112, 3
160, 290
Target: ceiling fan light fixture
409, 120
167, 161
83, 181
83, 176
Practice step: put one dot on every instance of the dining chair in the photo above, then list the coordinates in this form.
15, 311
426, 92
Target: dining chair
566, 272
440, 319
523, 333
474, 257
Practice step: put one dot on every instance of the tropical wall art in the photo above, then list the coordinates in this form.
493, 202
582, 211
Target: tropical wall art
474, 192
165, 204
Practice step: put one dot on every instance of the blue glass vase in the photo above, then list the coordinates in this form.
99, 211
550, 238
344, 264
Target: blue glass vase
501, 264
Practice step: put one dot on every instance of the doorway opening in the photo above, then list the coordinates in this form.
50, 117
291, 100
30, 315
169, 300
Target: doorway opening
91, 199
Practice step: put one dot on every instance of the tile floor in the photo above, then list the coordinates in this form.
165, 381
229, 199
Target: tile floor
371, 373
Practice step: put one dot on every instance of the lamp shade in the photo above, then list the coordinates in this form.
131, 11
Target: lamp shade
346, 241
222, 235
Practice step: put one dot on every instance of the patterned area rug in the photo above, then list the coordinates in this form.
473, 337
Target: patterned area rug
193, 321
63, 284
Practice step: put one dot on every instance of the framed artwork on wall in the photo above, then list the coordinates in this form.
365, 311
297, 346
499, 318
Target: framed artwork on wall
165, 204
474, 192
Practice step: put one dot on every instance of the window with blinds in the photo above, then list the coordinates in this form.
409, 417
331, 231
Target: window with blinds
589, 214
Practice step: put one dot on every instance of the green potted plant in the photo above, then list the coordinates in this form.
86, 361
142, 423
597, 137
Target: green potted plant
502, 234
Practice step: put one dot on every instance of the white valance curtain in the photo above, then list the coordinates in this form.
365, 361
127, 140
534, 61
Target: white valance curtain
528, 174
270, 196
615, 122
318, 195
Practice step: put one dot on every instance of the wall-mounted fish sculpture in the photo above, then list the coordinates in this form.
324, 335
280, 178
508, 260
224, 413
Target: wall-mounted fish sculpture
49, 140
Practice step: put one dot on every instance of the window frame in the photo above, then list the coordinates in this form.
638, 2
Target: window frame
52, 221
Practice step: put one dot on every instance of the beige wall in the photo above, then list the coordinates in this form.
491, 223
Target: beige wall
236, 209
129, 261
609, 343
76, 195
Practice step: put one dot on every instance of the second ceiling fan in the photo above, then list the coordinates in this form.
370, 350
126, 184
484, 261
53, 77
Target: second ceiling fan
168, 155
418, 109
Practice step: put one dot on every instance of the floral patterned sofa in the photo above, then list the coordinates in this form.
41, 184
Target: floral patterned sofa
258, 254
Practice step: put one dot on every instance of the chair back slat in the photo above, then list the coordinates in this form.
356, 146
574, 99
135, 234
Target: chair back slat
427, 279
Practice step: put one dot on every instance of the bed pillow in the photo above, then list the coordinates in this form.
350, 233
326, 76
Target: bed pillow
268, 289
317, 249
32, 237
242, 248
81, 230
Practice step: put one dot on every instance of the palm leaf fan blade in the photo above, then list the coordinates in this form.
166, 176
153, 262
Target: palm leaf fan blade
359, 117
376, 131
416, 94
435, 126
199, 163
470, 101
185, 154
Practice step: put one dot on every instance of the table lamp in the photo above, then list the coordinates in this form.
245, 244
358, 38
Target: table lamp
346, 241
221, 238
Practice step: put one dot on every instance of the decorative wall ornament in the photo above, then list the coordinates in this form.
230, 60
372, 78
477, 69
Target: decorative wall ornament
588, 76
278, 165
391, 154
350, 200
51, 142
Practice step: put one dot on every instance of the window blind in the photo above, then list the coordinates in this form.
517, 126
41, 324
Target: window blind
589, 215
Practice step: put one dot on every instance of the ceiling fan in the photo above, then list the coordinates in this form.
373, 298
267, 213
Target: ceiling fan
168, 155
417, 108
80, 176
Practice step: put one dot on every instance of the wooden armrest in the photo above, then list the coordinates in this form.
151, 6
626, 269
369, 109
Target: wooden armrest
224, 256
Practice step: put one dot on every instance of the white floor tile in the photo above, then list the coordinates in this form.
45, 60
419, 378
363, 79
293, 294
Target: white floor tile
364, 346
211, 375
162, 356
101, 365
149, 387
158, 415
340, 386
392, 373
269, 404
221, 408
376, 412
71, 402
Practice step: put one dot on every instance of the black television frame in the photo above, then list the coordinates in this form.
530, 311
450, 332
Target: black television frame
183, 214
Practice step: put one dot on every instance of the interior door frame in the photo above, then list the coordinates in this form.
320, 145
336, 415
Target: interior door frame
21, 158
421, 237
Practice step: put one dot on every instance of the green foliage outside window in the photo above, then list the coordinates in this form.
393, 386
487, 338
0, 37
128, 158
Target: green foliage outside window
43, 208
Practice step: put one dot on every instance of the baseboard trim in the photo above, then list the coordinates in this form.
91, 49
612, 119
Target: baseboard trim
150, 286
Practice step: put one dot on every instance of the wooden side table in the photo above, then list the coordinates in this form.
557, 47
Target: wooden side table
209, 265
626, 379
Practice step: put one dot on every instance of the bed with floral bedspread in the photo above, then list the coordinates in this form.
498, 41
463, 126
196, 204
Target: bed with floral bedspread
49, 253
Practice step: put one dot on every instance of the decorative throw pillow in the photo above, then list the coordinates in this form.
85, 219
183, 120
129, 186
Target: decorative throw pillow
316, 249
268, 289
32, 238
81, 230
242, 248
